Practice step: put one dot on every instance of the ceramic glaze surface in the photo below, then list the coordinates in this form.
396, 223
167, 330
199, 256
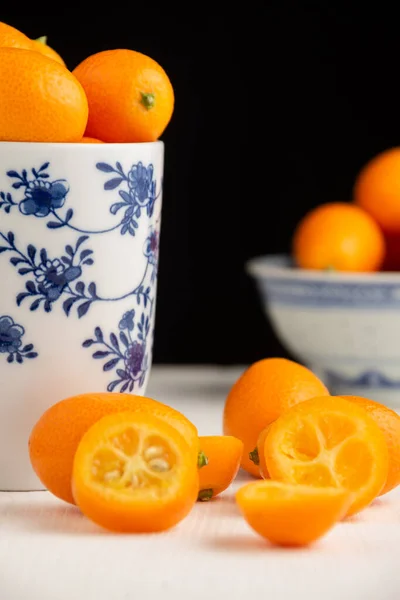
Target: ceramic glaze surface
79, 247
345, 327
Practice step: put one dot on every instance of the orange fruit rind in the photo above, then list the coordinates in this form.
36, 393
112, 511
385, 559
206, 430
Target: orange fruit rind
41, 45
10, 37
90, 140
389, 423
257, 456
377, 189
42, 101
291, 515
338, 236
131, 98
223, 461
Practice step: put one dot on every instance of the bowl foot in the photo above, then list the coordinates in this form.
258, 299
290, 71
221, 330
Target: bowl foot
368, 384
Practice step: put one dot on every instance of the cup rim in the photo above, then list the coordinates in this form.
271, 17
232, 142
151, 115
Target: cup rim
76, 145
282, 266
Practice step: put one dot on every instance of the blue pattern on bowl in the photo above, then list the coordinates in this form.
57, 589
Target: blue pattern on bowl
345, 326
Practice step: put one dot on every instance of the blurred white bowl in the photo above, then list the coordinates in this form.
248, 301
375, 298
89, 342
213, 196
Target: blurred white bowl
344, 326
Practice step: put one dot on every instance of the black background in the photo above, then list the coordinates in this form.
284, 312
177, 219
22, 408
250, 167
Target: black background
277, 108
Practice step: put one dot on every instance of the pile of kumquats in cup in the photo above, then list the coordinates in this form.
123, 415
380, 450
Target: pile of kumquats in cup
112, 96
134, 464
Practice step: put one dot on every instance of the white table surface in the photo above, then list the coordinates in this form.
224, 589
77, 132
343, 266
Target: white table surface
48, 551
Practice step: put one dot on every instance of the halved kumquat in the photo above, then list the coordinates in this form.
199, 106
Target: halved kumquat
55, 436
134, 473
224, 453
329, 442
291, 515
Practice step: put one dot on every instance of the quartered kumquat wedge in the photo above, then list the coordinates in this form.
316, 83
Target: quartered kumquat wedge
291, 515
134, 473
258, 455
329, 442
224, 453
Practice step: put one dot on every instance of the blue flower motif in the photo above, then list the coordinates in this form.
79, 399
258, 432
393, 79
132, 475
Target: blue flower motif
10, 335
48, 273
127, 321
140, 182
126, 353
53, 277
41, 197
11, 342
134, 356
151, 247
137, 198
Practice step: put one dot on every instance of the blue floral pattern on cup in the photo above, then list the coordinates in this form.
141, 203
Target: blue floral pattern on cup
141, 193
126, 352
11, 341
52, 279
43, 197
151, 251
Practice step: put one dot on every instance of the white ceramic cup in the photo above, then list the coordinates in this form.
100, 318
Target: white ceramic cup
79, 239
